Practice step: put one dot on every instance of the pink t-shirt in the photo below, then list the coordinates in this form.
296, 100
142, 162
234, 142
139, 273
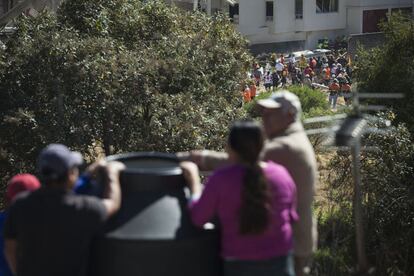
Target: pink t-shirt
222, 198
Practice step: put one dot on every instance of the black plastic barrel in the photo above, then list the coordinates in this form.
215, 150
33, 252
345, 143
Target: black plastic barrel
152, 234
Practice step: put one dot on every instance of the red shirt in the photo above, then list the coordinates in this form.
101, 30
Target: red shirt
334, 86
346, 87
313, 63
246, 95
253, 89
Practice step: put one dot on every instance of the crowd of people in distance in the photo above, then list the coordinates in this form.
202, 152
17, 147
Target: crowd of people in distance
261, 191
330, 73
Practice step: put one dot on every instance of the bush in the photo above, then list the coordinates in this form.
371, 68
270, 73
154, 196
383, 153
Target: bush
313, 101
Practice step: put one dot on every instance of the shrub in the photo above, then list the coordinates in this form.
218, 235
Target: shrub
313, 101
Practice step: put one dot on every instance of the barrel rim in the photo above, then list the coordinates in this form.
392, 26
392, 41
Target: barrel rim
148, 155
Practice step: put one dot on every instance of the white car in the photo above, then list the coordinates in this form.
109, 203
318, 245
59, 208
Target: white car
295, 56
322, 53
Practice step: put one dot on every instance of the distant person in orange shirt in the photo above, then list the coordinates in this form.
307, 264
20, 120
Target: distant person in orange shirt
333, 93
253, 90
327, 76
246, 94
346, 90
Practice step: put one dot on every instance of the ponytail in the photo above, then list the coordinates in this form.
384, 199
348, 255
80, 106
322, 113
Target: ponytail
255, 197
246, 140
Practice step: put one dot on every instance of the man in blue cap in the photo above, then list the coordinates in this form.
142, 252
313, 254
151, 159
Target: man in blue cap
49, 231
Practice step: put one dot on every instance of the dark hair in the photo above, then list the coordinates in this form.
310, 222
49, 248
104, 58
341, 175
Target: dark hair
246, 139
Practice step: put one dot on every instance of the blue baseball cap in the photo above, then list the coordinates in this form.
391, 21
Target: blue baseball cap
56, 160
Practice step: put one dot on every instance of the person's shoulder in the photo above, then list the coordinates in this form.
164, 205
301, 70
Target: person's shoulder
272, 166
89, 209
294, 141
277, 143
23, 196
277, 173
23, 199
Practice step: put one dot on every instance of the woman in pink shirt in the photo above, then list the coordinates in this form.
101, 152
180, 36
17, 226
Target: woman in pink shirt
254, 202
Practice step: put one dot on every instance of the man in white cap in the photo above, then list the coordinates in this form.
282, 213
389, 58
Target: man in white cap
288, 145
49, 231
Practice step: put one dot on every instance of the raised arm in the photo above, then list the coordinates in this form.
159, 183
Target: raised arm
206, 160
108, 175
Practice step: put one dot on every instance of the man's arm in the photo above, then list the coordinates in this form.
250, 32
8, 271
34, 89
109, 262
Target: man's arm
206, 160
112, 196
108, 175
10, 252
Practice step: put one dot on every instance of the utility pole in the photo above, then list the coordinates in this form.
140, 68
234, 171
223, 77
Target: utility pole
358, 209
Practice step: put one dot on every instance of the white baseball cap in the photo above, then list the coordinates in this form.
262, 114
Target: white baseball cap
283, 99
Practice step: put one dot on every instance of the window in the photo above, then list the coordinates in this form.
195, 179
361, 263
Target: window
234, 13
371, 19
269, 10
324, 6
298, 9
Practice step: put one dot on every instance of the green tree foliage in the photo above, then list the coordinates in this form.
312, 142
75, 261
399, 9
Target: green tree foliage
388, 192
123, 75
390, 67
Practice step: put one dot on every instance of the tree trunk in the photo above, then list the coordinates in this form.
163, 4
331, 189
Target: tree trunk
108, 135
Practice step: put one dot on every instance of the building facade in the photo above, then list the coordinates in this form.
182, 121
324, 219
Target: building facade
306, 21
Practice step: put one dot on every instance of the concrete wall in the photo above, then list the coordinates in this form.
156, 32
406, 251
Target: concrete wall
323, 21
278, 47
367, 41
252, 16
284, 27
219, 5
354, 20
313, 37
284, 17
